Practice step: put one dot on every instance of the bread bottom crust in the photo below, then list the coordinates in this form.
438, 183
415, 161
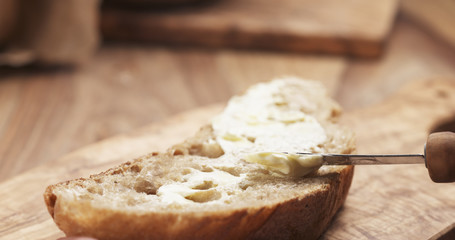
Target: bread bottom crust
303, 217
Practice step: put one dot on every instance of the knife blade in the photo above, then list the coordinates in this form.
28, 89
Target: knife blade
438, 157
354, 159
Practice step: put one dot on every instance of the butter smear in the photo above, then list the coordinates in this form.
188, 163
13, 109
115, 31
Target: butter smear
263, 123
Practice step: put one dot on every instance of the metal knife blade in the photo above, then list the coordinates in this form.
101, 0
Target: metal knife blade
354, 159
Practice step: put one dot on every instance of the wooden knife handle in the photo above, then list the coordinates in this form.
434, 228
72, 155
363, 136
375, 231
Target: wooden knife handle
440, 156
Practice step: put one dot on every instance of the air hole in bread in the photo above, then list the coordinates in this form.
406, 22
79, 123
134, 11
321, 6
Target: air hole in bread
135, 168
118, 171
185, 171
204, 196
230, 193
177, 152
195, 149
95, 189
210, 149
231, 170
206, 168
244, 185
205, 185
143, 185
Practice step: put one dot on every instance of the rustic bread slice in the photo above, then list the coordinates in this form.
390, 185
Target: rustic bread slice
204, 189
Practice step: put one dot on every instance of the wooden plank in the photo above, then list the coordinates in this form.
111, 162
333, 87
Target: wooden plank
352, 27
446, 234
45, 114
22, 211
398, 202
7, 19
385, 202
437, 16
49, 32
411, 54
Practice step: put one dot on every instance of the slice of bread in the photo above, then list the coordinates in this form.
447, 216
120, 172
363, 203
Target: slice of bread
204, 188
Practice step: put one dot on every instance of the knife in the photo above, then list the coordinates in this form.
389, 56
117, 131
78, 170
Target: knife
438, 157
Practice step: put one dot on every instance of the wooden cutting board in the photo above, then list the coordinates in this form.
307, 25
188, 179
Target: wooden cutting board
385, 202
354, 27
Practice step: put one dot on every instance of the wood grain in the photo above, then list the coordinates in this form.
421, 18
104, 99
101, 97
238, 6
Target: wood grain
354, 27
391, 202
411, 54
7, 19
398, 202
29, 219
436, 16
446, 234
45, 114
50, 32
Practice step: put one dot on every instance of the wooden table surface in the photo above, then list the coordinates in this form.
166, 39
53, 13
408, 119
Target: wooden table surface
46, 113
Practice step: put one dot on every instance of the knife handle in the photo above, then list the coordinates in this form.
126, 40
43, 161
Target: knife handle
440, 156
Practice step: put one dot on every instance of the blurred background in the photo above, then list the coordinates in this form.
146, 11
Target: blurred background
75, 72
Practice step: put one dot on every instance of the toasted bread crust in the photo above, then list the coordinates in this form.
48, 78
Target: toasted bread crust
309, 216
305, 217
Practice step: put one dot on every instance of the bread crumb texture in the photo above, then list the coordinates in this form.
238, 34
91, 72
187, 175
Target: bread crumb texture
204, 189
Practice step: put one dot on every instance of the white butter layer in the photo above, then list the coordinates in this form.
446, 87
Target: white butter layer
255, 127
295, 165
265, 120
200, 187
